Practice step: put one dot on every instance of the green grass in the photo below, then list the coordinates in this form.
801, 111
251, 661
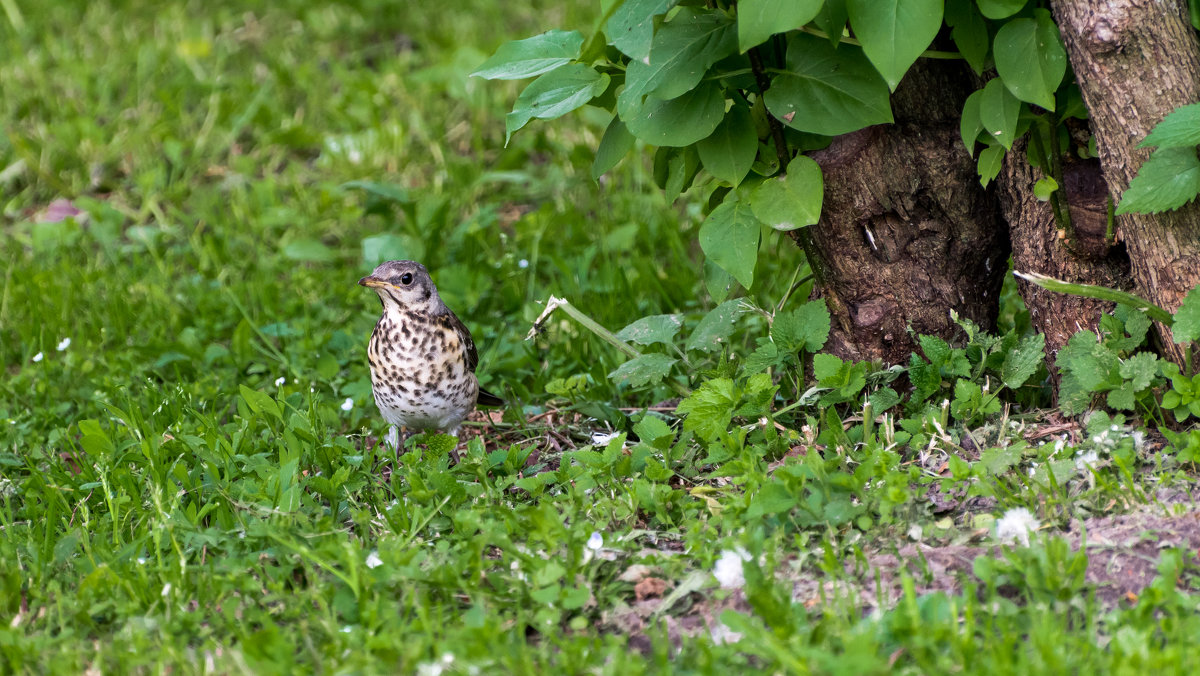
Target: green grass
166, 505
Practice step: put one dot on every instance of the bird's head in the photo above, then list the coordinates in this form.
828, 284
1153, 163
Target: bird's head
404, 285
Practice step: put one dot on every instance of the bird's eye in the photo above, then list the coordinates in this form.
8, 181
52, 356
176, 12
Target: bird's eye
406, 278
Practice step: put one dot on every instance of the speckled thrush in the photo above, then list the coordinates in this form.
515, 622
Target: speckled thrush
422, 357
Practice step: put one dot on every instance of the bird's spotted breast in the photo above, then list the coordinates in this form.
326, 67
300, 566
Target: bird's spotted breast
419, 372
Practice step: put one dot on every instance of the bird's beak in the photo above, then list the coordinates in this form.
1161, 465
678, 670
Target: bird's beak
372, 281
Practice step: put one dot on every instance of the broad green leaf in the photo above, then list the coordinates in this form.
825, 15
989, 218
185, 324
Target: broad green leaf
1140, 370
1187, 318
969, 124
999, 111
828, 91
652, 329
1180, 128
893, 33
969, 32
682, 51
772, 498
760, 19
728, 153
989, 164
709, 408
805, 328
832, 19
792, 200
826, 366
646, 369
1044, 188
308, 250
1168, 180
718, 282
729, 238
1000, 9
715, 327
261, 402
631, 27
1022, 362
616, 143
677, 168
680, 121
391, 247
555, 94
532, 56
1030, 58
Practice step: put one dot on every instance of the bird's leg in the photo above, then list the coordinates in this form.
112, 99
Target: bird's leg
395, 438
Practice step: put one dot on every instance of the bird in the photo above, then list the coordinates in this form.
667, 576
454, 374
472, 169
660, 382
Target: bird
421, 355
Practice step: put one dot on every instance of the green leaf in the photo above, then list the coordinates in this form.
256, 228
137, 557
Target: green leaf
680, 121
308, 250
998, 111
1186, 327
1044, 188
792, 200
1168, 180
716, 326
832, 19
989, 164
969, 32
1140, 370
970, 124
555, 94
682, 51
893, 33
729, 237
616, 143
826, 367
387, 192
709, 408
1030, 58
652, 329
1000, 9
729, 152
772, 498
827, 91
643, 370
1179, 129
805, 328
631, 27
760, 19
261, 402
1023, 361
532, 56
391, 247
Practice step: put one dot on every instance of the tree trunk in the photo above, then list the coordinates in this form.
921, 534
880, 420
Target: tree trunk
1038, 247
1136, 61
906, 232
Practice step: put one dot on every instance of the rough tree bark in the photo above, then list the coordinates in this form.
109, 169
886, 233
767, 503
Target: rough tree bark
906, 232
1038, 245
1136, 61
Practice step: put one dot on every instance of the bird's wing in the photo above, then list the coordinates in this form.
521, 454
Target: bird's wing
464, 336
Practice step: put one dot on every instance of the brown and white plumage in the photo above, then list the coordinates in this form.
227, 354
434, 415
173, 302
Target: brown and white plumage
422, 357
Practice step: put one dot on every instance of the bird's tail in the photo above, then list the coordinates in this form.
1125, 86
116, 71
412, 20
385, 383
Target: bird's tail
488, 399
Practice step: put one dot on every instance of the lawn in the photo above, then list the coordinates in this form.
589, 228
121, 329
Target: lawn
190, 470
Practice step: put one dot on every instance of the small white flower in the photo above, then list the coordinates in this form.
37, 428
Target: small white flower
280, 380
63, 344
522, 264
729, 571
348, 404
166, 590
1139, 440
596, 541
1015, 526
141, 561
38, 357
347, 629
602, 439
373, 560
